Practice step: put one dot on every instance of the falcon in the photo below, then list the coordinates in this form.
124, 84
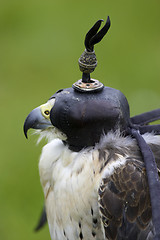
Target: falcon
99, 169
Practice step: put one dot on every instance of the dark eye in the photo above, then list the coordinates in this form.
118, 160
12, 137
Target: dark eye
46, 112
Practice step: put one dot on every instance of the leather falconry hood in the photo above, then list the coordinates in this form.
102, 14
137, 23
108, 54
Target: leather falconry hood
89, 109
84, 117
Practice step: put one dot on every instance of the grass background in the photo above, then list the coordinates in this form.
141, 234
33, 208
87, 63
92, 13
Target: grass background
40, 43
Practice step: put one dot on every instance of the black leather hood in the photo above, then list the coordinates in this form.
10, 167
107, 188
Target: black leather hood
85, 116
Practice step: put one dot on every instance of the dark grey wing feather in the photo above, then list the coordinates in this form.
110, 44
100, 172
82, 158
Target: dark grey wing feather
131, 231
42, 220
125, 202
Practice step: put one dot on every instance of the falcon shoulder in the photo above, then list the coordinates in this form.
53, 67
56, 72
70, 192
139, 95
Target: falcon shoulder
124, 200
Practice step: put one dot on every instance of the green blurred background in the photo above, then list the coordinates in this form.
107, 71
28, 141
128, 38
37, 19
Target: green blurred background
40, 43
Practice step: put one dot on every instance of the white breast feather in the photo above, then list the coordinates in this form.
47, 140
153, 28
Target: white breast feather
71, 190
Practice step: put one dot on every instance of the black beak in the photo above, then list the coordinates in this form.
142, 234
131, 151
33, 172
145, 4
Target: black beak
35, 120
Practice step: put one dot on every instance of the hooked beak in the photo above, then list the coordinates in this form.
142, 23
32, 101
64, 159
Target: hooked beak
36, 120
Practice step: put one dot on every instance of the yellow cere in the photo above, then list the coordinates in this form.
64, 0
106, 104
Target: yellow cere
46, 108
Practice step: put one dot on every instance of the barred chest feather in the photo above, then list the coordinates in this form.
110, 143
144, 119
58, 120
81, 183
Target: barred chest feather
70, 181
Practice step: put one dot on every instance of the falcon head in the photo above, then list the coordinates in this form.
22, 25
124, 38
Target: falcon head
80, 118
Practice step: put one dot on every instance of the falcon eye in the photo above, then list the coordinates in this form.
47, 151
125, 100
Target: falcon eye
46, 108
46, 112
